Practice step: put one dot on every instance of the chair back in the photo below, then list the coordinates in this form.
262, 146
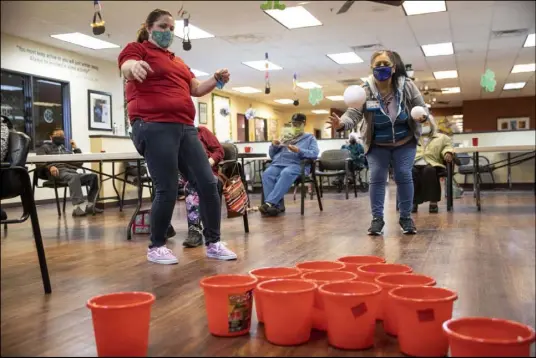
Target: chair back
334, 159
464, 158
230, 151
18, 148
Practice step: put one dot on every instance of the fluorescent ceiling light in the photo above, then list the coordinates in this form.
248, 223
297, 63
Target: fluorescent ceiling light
345, 58
530, 41
335, 98
86, 41
450, 90
320, 111
284, 101
10, 88
261, 65
246, 90
441, 75
294, 17
528, 67
457, 116
49, 82
514, 85
195, 33
198, 73
441, 49
423, 7
46, 104
308, 85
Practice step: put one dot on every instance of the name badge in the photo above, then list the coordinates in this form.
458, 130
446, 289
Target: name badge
373, 105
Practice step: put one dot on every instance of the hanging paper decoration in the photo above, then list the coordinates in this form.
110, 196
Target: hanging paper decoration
224, 111
294, 80
487, 81
273, 5
315, 96
185, 16
266, 75
250, 113
98, 26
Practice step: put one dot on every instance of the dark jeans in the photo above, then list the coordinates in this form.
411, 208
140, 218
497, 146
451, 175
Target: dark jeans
168, 148
75, 181
426, 184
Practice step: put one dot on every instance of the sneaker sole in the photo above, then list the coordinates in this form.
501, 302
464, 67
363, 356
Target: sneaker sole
224, 258
413, 232
372, 233
163, 262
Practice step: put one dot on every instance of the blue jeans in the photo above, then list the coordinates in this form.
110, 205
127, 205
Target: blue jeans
168, 148
379, 158
277, 180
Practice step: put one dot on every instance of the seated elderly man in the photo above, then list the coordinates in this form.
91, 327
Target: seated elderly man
285, 168
66, 172
433, 150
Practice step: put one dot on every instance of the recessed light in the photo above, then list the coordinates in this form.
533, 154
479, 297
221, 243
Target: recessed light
86, 41
440, 49
335, 98
528, 67
261, 65
345, 58
284, 101
10, 88
423, 7
450, 90
294, 17
530, 41
198, 73
308, 85
195, 33
441, 75
320, 111
246, 89
514, 85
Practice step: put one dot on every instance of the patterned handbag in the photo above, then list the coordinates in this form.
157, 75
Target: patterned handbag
234, 193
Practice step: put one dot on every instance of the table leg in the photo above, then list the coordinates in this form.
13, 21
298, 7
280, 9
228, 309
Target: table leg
477, 180
115, 187
509, 172
100, 182
450, 198
138, 205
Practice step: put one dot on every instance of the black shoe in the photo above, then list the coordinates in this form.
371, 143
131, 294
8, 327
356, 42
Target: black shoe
272, 211
407, 225
376, 226
433, 209
415, 208
91, 209
264, 209
194, 239
281, 208
170, 232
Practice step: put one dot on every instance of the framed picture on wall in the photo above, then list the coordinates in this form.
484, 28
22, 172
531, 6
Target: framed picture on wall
513, 124
99, 111
203, 116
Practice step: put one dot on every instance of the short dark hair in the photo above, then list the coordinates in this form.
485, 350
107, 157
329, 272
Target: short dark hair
298, 117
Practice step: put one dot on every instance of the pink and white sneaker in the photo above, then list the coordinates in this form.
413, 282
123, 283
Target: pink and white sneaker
161, 255
220, 251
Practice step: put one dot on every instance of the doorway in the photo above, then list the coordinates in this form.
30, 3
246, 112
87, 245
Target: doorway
318, 133
242, 128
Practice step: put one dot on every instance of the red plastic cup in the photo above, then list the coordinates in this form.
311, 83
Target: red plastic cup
309, 266
475, 142
247, 149
121, 323
488, 337
354, 262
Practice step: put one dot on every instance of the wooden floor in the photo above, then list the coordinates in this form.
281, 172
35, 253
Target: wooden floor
487, 257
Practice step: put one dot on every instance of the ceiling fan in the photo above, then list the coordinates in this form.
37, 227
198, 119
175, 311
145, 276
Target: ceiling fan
348, 4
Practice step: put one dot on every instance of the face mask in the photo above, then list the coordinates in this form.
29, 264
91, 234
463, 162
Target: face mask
297, 129
382, 73
163, 39
58, 140
426, 130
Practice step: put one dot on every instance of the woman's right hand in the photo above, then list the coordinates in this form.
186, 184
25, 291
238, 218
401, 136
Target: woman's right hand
335, 121
139, 70
276, 143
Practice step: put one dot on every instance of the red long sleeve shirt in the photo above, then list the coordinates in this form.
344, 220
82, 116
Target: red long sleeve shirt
212, 146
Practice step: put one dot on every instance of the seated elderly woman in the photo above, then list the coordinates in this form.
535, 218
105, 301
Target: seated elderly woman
286, 164
433, 150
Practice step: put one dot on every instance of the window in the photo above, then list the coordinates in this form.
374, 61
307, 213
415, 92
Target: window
36, 105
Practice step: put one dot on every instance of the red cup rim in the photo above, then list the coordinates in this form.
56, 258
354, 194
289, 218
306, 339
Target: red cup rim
347, 260
323, 261
377, 291
452, 297
150, 299
328, 281
204, 282
525, 340
378, 280
362, 268
260, 286
252, 272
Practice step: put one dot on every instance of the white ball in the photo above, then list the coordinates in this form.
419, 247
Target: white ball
417, 113
355, 96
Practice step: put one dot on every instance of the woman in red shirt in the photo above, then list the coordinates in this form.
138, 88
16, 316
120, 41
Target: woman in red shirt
161, 113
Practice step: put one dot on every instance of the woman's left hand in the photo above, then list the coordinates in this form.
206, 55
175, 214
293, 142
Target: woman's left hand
223, 75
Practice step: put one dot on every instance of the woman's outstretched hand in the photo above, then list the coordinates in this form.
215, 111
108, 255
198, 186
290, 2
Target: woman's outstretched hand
223, 75
335, 121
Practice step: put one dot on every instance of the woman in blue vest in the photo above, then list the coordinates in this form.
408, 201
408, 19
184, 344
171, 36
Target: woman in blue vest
389, 135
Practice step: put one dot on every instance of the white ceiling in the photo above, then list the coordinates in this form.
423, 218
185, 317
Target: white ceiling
244, 33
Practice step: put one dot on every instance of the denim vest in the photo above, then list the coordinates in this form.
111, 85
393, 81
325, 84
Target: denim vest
386, 131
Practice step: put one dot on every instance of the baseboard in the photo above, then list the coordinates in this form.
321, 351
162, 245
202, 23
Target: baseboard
111, 202
491, 186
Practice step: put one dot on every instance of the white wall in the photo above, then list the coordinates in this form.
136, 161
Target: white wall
21, 55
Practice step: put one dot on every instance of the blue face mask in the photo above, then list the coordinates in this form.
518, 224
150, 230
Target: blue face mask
382, 73
163, 39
